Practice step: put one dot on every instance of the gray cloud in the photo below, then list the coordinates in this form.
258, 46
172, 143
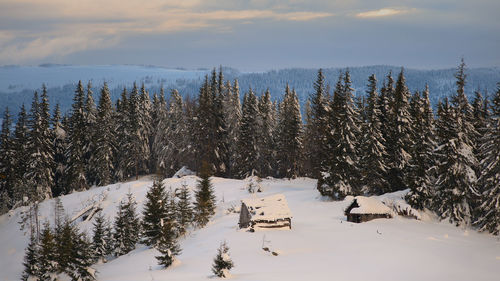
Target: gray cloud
250, 34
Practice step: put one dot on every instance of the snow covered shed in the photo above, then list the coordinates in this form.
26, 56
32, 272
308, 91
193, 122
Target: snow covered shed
265, 212
363, 209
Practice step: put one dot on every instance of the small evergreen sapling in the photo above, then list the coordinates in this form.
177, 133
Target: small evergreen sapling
100, 239
31, 260
81, 258
222, 262
184, 209
167, 245
154, 212
205, 198
127, 226
47, 259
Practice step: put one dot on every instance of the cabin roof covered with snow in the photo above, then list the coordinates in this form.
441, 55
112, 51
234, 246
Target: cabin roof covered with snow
268, 208
369, 205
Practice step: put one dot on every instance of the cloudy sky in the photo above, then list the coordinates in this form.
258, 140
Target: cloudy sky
251, 34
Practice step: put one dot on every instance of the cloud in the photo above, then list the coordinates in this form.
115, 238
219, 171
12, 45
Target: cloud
42, 47
385, 12
61, 27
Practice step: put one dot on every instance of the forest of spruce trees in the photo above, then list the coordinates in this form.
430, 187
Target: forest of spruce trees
385, 141
64, 250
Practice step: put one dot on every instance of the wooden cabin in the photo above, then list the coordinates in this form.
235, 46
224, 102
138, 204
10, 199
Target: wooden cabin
265, 212
363, 209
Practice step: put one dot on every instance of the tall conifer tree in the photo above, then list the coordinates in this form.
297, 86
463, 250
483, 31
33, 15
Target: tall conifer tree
7, 172
205, 204
420, 177
59, 134
373, 166
232, 115
489, 209
317, 129
154, 212
247, 140
289, 136
265, 141
342, 177
21, 155
101, 160
400, 136
40, 162
76, 148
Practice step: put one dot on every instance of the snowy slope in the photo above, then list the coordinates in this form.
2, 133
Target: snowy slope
320, 246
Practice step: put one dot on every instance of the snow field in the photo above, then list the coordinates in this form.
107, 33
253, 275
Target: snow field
322, 245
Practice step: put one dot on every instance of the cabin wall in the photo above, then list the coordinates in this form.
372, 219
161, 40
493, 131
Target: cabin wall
287, 222
358, 218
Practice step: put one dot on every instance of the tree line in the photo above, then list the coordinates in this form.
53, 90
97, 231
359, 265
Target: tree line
387, 140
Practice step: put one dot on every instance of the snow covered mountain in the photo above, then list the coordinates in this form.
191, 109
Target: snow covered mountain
321, 245
17, 83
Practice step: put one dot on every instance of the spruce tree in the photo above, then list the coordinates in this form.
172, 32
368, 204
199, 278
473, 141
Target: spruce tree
89, 146
21, 156
7, 172
167, 245
59, 213
59, 146
232, 115
145, 128
73, 252
204, 206
185, 209
489, 211
481, 122
65, 244
480, 112
400, 136
41, 159
317, 128
158, 130
76, 148
127, 226
81, 258
420, 178
462, 106
47, 258
31, 258
101, 161
456, 179
211, 132
373, 166
324, 185
265, 140
100, 239
247, 140
170, 140
342, 177
154, 212
386, 101
222, 262
203, 144
221, 153
172, 211
138, 132
121, 129
456, 183
289, 136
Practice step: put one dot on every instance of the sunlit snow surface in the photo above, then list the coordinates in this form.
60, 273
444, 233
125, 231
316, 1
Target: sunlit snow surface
321, 245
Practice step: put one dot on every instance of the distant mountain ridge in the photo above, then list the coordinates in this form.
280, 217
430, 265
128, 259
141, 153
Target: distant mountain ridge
17, 83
